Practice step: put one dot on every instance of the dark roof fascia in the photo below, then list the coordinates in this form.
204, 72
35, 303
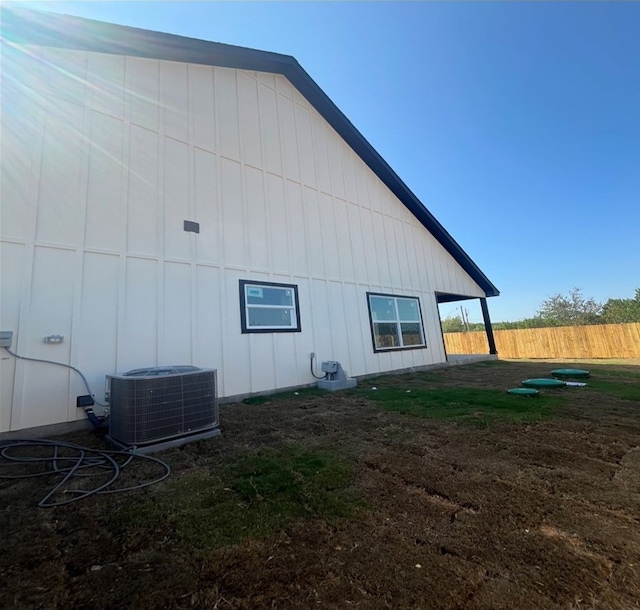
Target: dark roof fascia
447, 297
23, 26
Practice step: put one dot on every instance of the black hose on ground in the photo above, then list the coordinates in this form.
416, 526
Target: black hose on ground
99, 423
72, 463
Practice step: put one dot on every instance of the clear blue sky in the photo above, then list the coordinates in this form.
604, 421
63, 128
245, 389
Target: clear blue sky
516, 124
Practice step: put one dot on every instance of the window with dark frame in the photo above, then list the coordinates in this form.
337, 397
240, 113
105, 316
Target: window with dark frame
267, 307
396, 322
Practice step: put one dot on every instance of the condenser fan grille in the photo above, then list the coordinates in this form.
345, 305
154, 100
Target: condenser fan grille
148, 409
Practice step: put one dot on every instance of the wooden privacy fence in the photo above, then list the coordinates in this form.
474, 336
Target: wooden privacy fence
596, 341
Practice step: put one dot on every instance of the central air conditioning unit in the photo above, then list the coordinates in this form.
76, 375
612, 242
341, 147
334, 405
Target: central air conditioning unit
165, 406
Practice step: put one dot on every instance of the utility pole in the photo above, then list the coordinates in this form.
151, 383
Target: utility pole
465, 320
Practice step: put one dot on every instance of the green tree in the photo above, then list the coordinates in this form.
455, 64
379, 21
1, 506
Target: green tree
620, 311
453, 324
536, 322
570, 310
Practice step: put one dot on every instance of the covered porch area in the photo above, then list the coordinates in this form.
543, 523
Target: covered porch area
491, 350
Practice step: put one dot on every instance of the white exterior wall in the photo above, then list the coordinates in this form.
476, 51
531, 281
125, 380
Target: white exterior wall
104, 157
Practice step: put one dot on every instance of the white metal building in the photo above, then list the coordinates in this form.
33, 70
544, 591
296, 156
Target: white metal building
174, 201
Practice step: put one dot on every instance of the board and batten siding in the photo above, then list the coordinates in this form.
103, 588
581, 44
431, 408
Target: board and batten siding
105, 156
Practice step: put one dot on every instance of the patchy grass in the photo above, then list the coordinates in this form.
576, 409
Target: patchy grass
420, 394
618, 374
407, 380
626, 391
484, 363
290, 396
469, 405
338, 500
250, 498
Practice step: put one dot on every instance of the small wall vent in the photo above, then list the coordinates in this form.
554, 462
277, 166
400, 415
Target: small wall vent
191, 227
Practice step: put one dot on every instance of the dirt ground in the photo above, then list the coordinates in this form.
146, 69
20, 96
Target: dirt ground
509, 515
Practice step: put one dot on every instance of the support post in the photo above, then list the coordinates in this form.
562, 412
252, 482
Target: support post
487, 326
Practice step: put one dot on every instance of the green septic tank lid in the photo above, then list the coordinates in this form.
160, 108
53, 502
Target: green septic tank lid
543, 383
575, 373
523, 391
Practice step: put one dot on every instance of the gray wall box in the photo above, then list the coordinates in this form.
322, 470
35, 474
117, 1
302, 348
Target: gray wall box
336, 377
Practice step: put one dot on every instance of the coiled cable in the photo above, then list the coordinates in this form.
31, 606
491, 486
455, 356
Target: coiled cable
83, 462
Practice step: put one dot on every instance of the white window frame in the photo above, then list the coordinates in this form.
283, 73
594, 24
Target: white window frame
245, 307
398, 321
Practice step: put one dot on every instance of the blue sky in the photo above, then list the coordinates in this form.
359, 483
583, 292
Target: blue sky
516, 124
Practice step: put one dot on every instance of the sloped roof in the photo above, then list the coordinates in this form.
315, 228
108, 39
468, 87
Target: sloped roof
63, 31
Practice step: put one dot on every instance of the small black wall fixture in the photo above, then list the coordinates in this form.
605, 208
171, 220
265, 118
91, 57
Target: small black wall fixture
192, 227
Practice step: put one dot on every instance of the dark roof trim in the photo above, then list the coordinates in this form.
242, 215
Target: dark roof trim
446, 297
48, 29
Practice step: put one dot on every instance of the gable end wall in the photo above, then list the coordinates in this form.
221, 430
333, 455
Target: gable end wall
103, 159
